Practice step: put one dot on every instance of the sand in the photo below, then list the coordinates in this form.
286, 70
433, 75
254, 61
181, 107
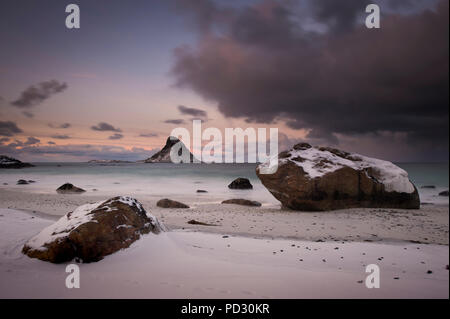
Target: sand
429, 225
253, 252
187, 264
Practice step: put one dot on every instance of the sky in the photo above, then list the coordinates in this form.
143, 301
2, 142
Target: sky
116, 87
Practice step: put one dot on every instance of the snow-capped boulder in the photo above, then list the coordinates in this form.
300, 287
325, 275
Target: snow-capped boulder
9, 162
93, 231
321, 178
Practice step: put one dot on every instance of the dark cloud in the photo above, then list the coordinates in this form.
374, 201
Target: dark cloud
338, 15
355, 81
28, 114
192, 111
51, 143
116, 136
61, 136
148, 135
35, 95
8, 128
175, 121
104, 127
32, 141
58, 126
202, 13
3, 140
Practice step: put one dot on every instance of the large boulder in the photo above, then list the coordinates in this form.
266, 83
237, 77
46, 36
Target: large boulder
240, 183
9, 162
69, 189
169, 203
320, 178
93, 231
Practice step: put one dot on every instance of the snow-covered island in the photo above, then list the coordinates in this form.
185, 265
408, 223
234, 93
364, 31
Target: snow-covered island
9, 162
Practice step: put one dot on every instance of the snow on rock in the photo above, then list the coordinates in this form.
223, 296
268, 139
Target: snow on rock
318, 161
9, 162
321, 178
93, 230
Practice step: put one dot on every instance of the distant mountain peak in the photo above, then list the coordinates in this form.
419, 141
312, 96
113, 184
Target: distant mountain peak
163, 156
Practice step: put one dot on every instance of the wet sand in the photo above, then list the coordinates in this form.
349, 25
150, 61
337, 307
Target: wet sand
429, 225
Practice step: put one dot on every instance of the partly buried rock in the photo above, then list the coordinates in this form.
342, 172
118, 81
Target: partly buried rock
444, 193
22, 182
240, 183
241, 201
168, 203
201, 191
196, 222
320, 178
69, 189
93, 231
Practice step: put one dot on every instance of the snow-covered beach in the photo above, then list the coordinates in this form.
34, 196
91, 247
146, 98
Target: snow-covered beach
251, 252
187, 264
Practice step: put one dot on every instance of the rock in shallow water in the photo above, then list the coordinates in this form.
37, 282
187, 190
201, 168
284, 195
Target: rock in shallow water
168, 203
320, 178
240, 183
93, 231
444, 193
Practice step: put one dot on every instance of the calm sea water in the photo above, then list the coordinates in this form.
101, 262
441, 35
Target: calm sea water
184, 179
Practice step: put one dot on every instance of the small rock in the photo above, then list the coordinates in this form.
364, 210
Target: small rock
444, 193
168, 203
244, 202
69, 189
22, 182
195, 222
428, 187
240, 183
429, 272
201, 191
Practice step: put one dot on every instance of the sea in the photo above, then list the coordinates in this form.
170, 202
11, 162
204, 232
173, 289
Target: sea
175, 180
